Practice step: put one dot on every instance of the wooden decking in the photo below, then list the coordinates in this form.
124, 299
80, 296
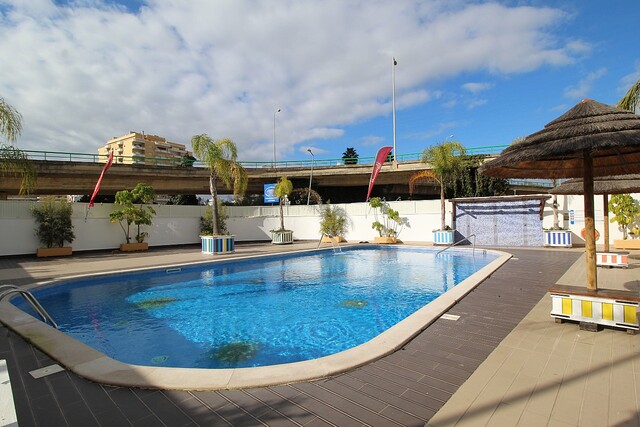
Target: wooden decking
406, 388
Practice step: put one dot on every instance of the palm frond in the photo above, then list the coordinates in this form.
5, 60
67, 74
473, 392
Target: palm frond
631, 100
426, 175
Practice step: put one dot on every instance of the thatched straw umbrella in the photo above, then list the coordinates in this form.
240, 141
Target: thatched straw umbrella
604, 185
591, 139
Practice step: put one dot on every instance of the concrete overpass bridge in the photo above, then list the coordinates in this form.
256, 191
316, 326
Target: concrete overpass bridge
73, 173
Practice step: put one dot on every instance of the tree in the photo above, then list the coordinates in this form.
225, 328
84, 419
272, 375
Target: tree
10, 122
446, 161
284, 187
350, 156
187, 161
391, 220
14, 161
132, 214
625, 210
184, 199
471, 183
631, 101
221, 157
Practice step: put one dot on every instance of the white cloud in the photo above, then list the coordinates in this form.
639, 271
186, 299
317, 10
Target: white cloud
371, 140
476, 102
584, 86
82, 74
627, 81
477, 87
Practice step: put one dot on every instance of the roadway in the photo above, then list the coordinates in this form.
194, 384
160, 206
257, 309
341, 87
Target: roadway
73, 177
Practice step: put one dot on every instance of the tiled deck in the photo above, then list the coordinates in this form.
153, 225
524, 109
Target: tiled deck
406, 388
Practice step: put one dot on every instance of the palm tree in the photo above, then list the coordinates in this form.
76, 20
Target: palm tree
284, 187
631, 101
446, 160
10, 121
350, 156
14, 161
221, 157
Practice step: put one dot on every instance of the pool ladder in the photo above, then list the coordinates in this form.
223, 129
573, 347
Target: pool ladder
460, 241
335, 243
6, 290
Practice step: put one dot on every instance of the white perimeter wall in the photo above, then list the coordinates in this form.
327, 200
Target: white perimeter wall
174, 225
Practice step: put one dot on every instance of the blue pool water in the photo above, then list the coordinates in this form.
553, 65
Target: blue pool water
254, 312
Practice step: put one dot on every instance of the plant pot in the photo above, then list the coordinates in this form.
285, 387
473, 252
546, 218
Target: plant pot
385, 240
327, 239
218, 244
134, 247
443, 237
557, 238
47, 252
282, 237
627, 244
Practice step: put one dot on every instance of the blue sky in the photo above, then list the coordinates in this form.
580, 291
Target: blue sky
81, 72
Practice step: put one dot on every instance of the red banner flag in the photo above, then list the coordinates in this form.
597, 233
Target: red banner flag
104, 169
380, 158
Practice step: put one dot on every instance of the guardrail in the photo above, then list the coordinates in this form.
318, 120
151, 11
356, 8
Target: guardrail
283, 164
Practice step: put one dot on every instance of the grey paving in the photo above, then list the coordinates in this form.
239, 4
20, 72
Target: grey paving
407, 388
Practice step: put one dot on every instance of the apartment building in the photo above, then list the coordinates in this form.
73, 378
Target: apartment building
141, 148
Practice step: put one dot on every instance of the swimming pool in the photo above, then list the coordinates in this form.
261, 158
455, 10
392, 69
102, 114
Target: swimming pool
269, 311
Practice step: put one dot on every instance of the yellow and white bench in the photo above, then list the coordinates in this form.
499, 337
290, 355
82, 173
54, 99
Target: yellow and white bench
615, 308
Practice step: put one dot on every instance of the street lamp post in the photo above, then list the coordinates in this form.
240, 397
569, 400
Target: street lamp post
393, 105
311, 175
274, 137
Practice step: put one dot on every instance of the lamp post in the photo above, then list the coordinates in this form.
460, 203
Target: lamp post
448, 138
393, 105
310, 176
274, 137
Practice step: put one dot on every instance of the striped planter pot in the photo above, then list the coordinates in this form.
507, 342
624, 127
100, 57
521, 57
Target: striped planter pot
218, 244
281, 237
443, 237
561, 238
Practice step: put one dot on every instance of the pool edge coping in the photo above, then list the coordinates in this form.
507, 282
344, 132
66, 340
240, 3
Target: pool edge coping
95, 366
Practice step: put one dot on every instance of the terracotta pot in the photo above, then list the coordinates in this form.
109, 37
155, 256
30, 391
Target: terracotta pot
385, 240
134, 247
327, 239
627, 244
46, 252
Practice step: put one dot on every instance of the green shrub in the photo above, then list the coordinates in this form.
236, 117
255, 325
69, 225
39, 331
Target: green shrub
54, 222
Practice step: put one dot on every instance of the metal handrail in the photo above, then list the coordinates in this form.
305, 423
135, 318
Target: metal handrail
460, 241
6, 290
364, 160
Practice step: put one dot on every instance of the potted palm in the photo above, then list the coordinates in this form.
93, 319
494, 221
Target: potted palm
138, 215
446, 161
391, 224
221, 157
282, 236
54, 227
626, 212
333, 223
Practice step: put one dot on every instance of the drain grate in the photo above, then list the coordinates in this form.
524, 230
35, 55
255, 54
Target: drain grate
449, 317
47, 370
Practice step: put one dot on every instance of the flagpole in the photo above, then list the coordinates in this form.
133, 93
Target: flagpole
393, 103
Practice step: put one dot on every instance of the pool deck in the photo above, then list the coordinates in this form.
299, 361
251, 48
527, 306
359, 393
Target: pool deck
502, 362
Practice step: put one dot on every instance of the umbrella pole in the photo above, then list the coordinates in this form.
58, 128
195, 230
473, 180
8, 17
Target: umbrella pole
605, 208
589, 223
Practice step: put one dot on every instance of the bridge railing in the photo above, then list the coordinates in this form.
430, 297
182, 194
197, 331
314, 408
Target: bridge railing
282, 164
